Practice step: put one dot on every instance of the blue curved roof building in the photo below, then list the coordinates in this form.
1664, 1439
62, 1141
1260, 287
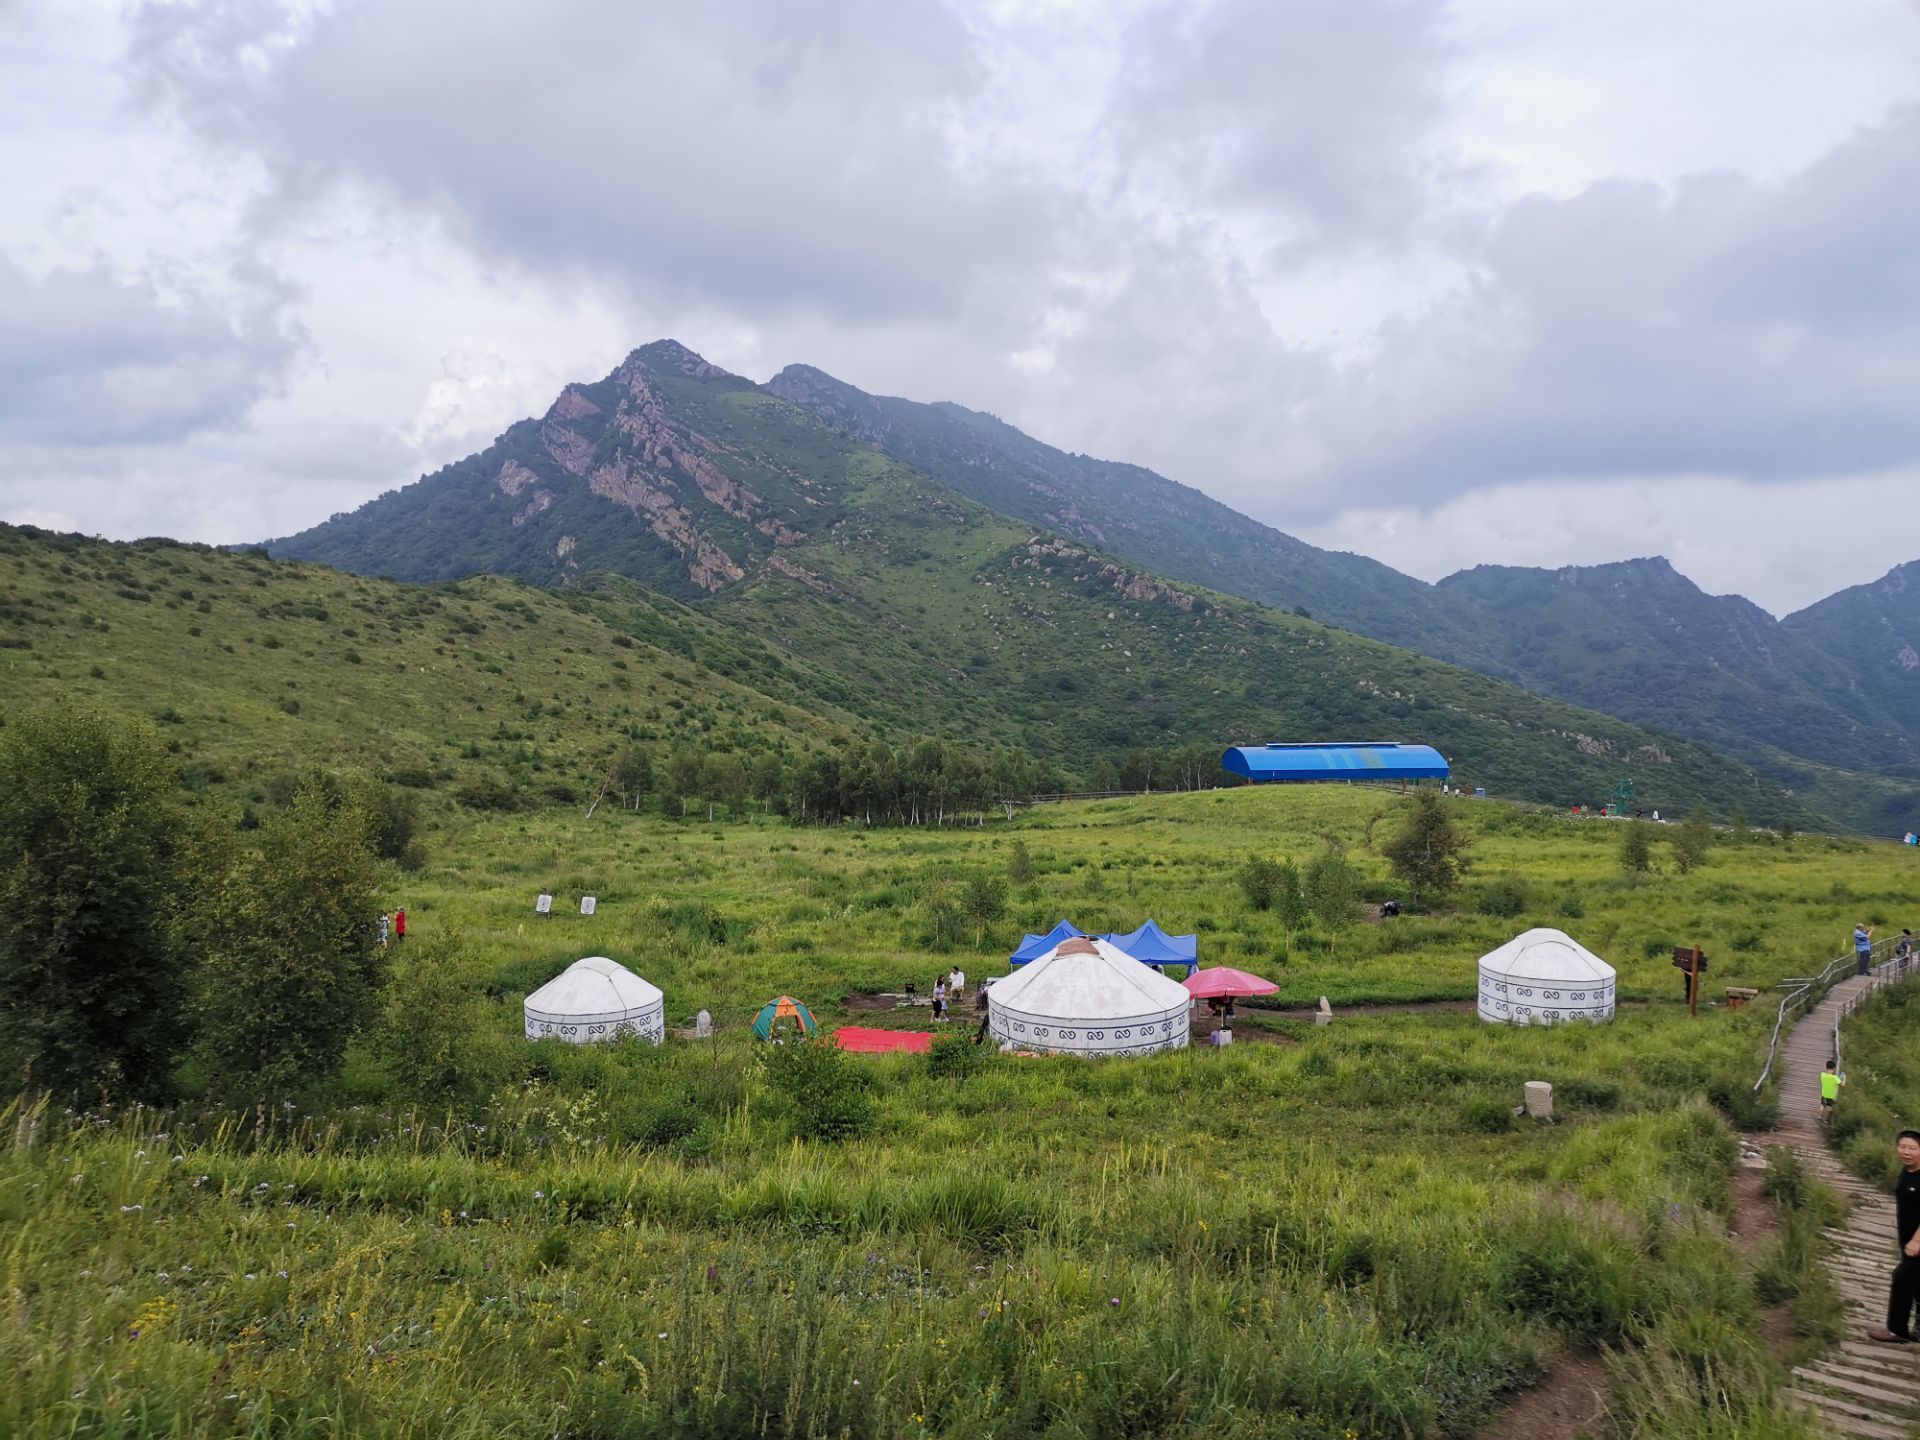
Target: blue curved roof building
1361, 760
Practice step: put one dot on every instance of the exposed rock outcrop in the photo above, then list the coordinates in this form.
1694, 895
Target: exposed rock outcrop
514, 477
625, 483
571, 450
542, 500
572, 405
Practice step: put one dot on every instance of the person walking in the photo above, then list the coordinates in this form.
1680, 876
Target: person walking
1830, 1082
1903, 950
1904, 1290
1863, 946
400, 924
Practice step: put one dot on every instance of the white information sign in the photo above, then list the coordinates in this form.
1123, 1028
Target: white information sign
544, 905
587, 903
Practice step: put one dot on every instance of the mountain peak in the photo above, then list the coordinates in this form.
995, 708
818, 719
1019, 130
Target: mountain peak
670, 357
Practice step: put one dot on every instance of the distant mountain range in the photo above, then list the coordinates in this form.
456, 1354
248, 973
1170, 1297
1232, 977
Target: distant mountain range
878, 536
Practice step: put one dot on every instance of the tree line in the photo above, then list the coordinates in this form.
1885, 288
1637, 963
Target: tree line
925, 781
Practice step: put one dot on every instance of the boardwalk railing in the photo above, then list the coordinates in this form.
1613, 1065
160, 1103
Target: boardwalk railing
1806, 991
1888, 972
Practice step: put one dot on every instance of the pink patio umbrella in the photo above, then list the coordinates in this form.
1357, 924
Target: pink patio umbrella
1224, 980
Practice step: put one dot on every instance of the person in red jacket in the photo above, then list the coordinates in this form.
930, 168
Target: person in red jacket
400, 924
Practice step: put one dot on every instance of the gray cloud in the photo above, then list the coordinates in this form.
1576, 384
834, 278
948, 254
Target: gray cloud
89, 359
1318, 115
768, 156
1763, 329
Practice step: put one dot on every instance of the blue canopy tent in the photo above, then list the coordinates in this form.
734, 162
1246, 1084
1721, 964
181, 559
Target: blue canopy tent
1151, 945
1034, 946
1363, 760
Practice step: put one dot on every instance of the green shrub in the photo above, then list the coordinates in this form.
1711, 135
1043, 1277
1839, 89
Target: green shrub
554, 1250
1570, 1271
1485, 1115
1737, 1101
1505, 896
823, 1084
1585, 1093
954, 1056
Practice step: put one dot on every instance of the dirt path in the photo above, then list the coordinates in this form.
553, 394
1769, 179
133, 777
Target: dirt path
1572, 1402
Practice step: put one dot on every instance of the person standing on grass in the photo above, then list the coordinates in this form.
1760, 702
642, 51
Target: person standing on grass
1904, 1291
1863, 946
1830, 1082
939, 997
400, 923
386, 923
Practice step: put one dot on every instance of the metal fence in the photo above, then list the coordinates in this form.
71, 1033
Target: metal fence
1809, 990
1888, 972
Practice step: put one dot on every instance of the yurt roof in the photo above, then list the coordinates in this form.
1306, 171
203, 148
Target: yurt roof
1088, 979
595, 988
1546, 954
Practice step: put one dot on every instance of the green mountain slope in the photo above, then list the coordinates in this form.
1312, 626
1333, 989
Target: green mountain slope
939, 614
1637, 641
1640, 640
1138, 515
1873, 631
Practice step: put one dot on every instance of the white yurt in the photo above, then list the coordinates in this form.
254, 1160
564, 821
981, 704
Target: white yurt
596, 999
1088, 997
1542, 978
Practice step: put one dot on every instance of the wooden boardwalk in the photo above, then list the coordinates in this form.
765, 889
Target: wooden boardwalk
1861, 1388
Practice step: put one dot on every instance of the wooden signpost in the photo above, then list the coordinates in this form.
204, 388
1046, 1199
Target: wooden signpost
1693, 960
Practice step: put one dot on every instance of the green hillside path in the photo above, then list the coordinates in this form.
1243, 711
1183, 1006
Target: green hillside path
1860, 1388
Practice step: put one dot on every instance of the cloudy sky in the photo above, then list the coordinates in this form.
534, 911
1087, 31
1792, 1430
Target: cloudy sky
1489, 281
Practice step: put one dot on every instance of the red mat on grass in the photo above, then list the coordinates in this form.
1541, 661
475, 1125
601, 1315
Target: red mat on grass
868, 1041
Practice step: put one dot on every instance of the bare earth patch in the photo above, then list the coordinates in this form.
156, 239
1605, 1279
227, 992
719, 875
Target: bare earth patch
1572, 1402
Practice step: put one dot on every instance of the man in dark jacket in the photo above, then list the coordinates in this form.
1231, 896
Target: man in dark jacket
1904, 1293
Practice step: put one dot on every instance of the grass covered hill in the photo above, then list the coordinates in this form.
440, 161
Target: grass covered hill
255, 668
1332, 1232
938, 614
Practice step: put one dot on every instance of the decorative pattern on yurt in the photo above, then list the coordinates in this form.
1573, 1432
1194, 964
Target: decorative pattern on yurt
596, 999
1088, 997
1544, 977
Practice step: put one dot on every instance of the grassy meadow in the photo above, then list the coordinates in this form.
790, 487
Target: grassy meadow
1340, 1233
